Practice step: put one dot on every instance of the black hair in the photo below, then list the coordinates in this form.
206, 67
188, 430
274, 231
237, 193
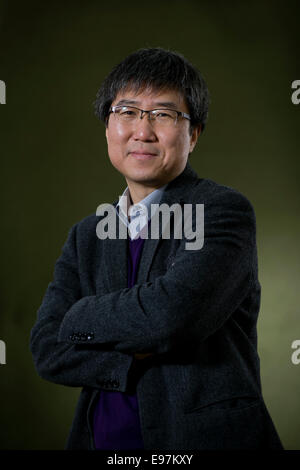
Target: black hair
157, 69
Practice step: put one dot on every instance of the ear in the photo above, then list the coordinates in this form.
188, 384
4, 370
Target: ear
194, 137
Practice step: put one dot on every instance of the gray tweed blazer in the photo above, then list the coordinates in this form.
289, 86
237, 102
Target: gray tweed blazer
195, 310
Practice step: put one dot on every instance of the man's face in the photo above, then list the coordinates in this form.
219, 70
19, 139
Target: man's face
145, 153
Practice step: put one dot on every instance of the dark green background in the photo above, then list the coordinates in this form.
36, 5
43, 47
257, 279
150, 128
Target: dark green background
55, 169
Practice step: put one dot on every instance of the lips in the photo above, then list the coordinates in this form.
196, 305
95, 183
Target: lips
142, 155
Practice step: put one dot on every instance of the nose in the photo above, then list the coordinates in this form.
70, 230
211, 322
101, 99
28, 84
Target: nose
143, 129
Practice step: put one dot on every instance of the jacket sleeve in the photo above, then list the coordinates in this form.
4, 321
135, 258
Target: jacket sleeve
195, 296
78, 365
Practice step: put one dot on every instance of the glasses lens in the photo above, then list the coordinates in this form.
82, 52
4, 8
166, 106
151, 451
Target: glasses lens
161, 117
164, 117
127, 113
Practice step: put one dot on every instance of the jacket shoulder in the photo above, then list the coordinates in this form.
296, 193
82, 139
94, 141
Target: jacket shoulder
87, 222
210, 191
83, 232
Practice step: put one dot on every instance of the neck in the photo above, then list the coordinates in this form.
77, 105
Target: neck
139, 192
137, 196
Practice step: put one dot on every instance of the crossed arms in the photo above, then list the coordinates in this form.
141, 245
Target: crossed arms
194, 297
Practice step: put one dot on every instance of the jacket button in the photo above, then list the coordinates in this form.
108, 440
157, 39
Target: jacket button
74, 337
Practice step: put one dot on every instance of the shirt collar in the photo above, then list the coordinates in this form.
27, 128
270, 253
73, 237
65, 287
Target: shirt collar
125, 202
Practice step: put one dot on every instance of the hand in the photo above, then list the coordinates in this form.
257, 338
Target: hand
142, 355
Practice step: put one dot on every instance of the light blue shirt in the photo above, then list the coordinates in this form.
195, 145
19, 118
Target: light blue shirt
136, 216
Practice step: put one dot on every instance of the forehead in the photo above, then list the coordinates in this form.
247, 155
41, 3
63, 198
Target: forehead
152, 98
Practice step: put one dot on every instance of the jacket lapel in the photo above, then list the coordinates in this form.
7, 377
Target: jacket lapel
115, 260
115, 251
174, 193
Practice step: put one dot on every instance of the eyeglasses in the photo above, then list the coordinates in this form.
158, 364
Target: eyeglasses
163, 117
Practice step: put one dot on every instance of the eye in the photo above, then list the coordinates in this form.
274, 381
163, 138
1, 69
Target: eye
127, 112
162, 114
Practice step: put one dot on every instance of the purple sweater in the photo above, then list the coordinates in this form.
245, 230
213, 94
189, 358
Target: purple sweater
116, 415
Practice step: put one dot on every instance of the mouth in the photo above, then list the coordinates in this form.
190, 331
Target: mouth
143, 155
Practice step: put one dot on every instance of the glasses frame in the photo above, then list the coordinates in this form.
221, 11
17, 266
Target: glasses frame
143, 111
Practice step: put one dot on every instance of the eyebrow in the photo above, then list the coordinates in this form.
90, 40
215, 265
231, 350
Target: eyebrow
164, 104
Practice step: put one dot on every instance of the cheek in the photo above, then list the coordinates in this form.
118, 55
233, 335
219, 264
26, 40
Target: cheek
116, 137
175, 143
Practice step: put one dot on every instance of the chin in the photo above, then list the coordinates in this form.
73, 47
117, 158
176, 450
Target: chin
145, 180
141, 176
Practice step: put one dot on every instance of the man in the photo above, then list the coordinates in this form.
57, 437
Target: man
161, 337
